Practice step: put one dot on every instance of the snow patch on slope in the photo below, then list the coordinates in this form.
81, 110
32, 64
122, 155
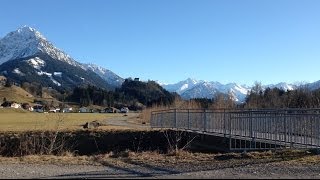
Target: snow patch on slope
59, 74
36, 62
17, 71
40, 73
54, 81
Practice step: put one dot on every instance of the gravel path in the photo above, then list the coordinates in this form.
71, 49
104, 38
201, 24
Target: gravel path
265, 171
274, 170
27, 171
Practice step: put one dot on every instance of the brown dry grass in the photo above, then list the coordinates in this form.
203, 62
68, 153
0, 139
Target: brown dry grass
12, 121
155, 158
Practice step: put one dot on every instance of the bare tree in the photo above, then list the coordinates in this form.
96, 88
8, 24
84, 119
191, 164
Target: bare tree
175, 140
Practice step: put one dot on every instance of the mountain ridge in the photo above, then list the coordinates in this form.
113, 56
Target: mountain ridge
26, 44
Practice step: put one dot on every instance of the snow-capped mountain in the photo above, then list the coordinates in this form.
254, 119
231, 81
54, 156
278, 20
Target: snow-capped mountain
283, 86
27, 41
209, 89
106, 74
200, 90
161, 83
27, 56
313, 86
191, 88
182, 86
237, 92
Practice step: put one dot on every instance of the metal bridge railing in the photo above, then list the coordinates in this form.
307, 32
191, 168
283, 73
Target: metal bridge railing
248, 129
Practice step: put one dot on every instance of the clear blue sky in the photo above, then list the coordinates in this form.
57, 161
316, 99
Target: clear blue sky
238, 41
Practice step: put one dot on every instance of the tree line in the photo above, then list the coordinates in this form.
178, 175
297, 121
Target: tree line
134, 94
302, 97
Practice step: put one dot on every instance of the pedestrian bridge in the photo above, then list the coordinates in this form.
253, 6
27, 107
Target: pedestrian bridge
247, 129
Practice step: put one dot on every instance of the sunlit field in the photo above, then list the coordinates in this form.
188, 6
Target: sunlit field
11, 120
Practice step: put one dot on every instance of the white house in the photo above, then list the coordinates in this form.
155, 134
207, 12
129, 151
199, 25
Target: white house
15, 105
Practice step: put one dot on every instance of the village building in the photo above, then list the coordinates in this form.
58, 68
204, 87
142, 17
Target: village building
38, 108
27, 106
124, 110
111, 110
15, 105
84, 110
67, 110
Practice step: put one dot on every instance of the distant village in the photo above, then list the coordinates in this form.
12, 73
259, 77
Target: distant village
43, 107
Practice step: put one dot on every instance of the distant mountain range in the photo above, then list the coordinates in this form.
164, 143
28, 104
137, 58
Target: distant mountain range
27, 56
191, 88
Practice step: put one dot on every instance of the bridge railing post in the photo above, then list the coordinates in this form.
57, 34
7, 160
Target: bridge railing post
224, 124
154, 120
175, 118
161, 120
285, 130
318, 134
230, 129
251, 128
188, 119
205, 121
251, 125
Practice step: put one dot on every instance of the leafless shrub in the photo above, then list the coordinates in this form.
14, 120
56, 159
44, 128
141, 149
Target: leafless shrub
177, 141
45, 142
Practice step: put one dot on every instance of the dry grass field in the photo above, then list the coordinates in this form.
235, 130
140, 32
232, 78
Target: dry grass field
20, 120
